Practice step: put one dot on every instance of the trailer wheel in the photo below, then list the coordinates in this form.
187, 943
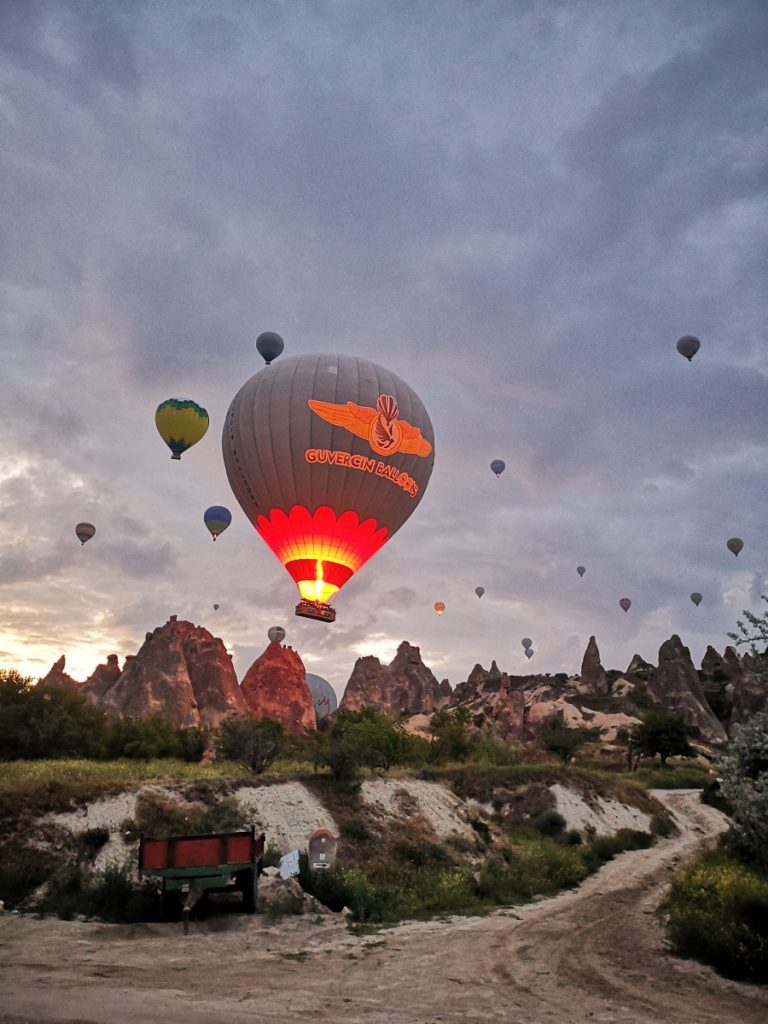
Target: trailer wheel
249, 885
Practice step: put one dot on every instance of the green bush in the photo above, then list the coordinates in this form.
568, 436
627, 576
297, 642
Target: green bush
22, 870
160, 815
550, 823
254, 743
354, 828
604, 848
718, 913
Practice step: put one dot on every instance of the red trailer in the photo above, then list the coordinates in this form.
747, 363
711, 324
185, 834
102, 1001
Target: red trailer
189, 866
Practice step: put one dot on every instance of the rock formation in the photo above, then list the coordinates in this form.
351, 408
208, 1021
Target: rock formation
405, 686
593, 677
181, 672
102, 679
58, 677
275, 686
675, 685
639, 667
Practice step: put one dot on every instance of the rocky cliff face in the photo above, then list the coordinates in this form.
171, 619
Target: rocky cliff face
56, 676
675, 685
593, 677
102, 679
406, 685
181, 672
275, 686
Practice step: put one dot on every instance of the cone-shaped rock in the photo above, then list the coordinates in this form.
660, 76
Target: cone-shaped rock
275, 686
58, 677
593, 677
102, 679
675, 685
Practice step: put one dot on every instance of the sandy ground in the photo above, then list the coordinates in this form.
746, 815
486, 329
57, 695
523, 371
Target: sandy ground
590, 955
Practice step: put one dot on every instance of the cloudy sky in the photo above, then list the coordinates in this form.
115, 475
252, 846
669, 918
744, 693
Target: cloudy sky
518, 207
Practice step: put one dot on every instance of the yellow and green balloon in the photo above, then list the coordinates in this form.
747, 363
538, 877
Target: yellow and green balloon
181, 423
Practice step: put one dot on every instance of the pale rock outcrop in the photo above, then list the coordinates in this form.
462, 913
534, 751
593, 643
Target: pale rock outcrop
639, 667
675, 685
275, 686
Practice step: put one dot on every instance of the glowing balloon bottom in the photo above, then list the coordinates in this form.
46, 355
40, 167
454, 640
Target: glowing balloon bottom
320, 551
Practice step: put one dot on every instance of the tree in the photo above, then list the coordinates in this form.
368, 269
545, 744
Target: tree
364, 739
753, 631
557, 737
453, 735
255, 743
46, 721
745, 786
662, 733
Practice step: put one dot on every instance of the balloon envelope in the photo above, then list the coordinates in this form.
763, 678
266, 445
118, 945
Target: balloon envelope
696, 598
181, 423
439, 607
217, 519
215, 607
498, 466
526, 641
479, 591
735, 544
85, 531
276, 633
625, 603
323, 696
528, 652
328, 456
269, 345
580, 569
688, 346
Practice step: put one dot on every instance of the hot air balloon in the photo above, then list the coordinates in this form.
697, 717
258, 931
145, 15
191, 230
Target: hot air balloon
269, 345
526, 641
479, 591
696, 598
528, 653
328, 456
439, 607
625, 603
217, 519
735, 544
85, 531
580, 569
688, 346
276, 633
215, 607
323, 695
181, 423
498, 466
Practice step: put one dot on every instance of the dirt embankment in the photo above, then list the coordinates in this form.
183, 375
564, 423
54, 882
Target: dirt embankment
590, 955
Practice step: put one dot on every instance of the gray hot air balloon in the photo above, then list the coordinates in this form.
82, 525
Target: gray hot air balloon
498, 466
269, 345
688, 346
528, 652
215, 607
696, 598
526, 641
276, 633
85, 531
328, 456
735, 544
323, 695
580, 569
625, 603
479, 591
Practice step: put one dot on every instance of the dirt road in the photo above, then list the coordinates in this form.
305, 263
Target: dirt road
589, 955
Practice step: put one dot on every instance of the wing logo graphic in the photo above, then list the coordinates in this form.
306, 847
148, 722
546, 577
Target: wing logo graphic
379, 426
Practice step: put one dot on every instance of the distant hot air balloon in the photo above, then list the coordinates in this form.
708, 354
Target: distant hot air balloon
439, 607
276, 633
526, 641
528, 652
323, 696
217, 519
498, 466
215, 607
269, 345
735, 544
625, 603
580, 569
85, 531
688, 346
696, 598
181, 423
479, 591
349, 455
